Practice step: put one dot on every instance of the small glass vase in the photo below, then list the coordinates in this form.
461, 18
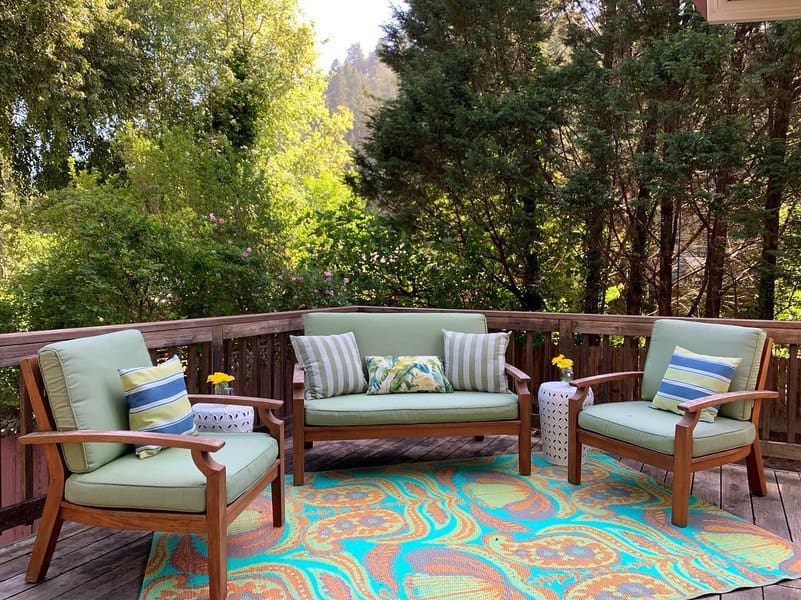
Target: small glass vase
223, 389
566, 375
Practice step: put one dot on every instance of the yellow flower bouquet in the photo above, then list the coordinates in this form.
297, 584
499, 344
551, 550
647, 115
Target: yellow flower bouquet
221, 382
565, 366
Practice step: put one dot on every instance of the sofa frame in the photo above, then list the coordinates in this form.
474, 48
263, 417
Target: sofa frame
304, 434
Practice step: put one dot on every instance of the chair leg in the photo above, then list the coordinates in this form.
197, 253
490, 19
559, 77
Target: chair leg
298, 457
46, 538
278, 498
682, 480
681, 497
524, 438
524, 449
575, 450
756, 470
298, 447
218, 557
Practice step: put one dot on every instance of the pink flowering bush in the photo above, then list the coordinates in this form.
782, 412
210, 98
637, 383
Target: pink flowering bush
309, 288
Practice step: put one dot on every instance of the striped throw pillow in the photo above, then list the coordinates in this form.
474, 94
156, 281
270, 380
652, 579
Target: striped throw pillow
157, 401
476, 361
332, 365
690, 376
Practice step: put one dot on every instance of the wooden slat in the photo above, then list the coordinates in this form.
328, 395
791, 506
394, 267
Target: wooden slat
792, 393
243, 373
790, 492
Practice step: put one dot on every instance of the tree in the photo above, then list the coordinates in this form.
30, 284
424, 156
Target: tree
359, 84
217, 176
778, 70
462, 161
71, 71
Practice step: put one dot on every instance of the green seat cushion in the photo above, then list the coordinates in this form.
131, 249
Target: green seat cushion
393, 409
170, 481
714, 339
85, 392
639, 424
398, 334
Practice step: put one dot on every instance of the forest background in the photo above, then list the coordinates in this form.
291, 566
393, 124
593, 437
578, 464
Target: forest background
187, 158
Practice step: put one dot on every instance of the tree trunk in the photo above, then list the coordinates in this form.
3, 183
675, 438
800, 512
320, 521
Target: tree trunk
595, 263
717, 239
779, 126
667, 244
638, 232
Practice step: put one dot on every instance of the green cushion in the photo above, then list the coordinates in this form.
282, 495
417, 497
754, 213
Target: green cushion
361, 409
170, 480
639, 424
386, 334
84, 390
706, 338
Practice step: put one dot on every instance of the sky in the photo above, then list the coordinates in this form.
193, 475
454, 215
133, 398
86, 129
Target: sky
341, 23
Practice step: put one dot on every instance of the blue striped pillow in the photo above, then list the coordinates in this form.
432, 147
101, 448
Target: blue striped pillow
157, 401
690, 376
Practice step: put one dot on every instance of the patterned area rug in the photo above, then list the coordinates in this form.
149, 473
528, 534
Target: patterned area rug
477, 529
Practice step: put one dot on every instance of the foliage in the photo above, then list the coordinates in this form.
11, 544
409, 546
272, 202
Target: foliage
186, 158
360, 84
462, 161
217, 175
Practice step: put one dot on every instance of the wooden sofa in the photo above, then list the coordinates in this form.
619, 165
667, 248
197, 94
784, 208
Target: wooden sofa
361, 416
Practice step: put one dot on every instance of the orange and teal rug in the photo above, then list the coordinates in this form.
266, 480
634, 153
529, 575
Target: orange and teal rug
477, 529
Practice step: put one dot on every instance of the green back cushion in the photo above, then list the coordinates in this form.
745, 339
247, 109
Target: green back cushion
715, 339
386, 334
84, 390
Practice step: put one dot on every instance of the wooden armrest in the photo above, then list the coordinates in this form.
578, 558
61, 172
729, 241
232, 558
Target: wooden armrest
266, 403
586, 382
700, 403
298, 382
170, 440
516, 374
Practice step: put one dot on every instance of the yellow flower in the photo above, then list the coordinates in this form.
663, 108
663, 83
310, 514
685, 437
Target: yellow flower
562, 362
217, 378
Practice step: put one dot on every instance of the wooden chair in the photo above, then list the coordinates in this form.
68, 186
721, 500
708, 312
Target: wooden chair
670, 441
212, 486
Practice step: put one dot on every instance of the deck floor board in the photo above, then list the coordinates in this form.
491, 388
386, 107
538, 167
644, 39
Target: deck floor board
92, 563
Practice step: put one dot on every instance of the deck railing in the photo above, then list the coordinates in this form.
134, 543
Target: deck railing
256, 350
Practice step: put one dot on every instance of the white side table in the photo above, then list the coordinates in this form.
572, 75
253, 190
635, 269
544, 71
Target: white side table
223, 417
553, 397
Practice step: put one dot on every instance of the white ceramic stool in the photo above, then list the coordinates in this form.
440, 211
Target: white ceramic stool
223, 417
553, 397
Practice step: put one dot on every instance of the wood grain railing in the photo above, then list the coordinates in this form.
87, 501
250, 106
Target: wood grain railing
256, 350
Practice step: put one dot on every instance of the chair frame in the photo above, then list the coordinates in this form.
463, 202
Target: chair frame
304, 435
213, 523
681, 463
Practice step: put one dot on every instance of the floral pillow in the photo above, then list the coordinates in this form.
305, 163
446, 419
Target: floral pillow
401, 374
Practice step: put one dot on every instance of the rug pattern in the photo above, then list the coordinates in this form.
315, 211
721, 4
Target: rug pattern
474, 529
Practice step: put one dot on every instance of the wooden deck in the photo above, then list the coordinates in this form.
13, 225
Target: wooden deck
94, 563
